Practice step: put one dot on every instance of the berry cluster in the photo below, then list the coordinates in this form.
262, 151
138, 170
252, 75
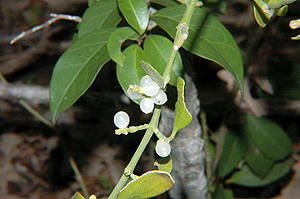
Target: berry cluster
150, 92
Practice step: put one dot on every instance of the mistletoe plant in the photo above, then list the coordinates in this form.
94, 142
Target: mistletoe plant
144, 70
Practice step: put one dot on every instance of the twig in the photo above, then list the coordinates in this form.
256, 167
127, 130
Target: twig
55, 17
79, 177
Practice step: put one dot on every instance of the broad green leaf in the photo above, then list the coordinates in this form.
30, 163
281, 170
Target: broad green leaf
77, 195
158, 49
132, 71
116, 40
233, 151
102, 14
165, 3
182, 115
279, 3
154, 74
257, 161
245, 177
164, 164
150, 184
76, 70
208, 38
136, 14
269, 137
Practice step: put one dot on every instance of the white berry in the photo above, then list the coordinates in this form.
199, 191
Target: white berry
133, 94
151, 89
121, 119
147, 105
160, 98
163, 149
145, 80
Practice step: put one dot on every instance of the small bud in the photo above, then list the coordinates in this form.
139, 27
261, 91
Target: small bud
294, 24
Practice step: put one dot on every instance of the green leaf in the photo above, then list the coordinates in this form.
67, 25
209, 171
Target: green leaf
76, 70
233, 151
282, 11
279, 3
77, 195
245, 177
102, 14
158, 49
164, 164
132, 71
269, 137
115, 41
257, 161
165, 3
260, 18
182, 115
150, 184
208, 38
155, 76
136, 14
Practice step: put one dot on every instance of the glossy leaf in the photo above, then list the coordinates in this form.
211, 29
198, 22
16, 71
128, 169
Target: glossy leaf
164, 164
208, 38
76, 70
132, 71
279, 3
257, 161
154, 74
269, 137
77, 195
116, 40
245, 177
102, 14
233, 151
182, 115
158, 49
150, 184
165, 2
136, 14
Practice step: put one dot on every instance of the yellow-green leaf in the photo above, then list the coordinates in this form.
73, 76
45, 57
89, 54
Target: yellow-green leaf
164, 164
77, 195
150, 184
182, 115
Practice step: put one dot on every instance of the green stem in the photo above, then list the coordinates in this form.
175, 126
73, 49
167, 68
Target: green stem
155, 117
79, 177
185, 20
134, 160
